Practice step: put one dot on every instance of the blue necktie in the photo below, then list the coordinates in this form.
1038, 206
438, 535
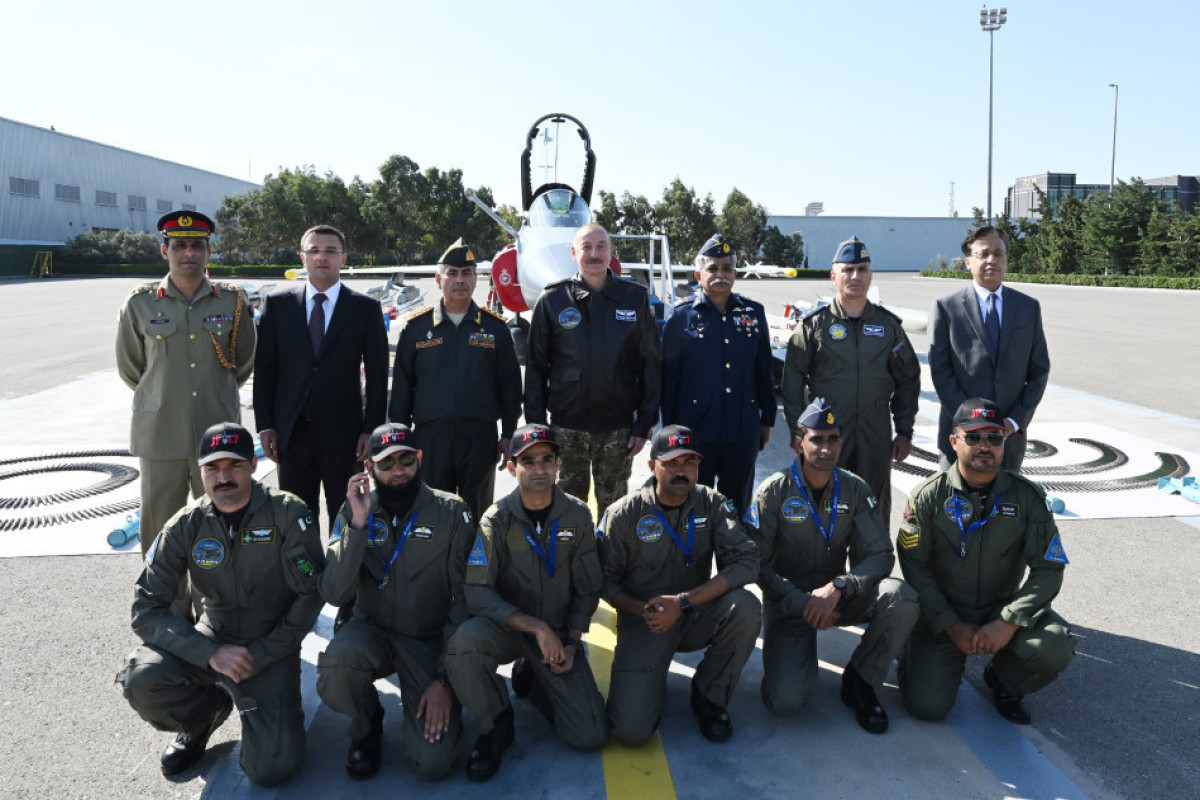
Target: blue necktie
992, 326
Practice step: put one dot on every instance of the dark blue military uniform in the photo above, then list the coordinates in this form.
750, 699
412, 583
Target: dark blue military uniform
717, 381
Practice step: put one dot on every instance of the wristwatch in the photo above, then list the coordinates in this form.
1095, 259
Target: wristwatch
684, 605
840, 583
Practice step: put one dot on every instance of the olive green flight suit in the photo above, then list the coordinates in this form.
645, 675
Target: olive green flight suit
1010, 568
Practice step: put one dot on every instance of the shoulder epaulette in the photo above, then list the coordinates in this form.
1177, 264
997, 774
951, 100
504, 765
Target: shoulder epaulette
144, 287
493, 313
420, 312
1016, 476
890, 313
228, 286
817, 309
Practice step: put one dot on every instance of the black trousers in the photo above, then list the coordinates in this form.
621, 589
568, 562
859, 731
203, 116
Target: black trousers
459, 456
308, 464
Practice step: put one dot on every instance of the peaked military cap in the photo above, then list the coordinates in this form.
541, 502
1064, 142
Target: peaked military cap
181, 224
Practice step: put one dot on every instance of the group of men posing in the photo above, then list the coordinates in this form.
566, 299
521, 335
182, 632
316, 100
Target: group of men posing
445, 586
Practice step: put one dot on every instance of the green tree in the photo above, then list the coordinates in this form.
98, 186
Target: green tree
744, 224
687, 220
1183, 245
1113, 226
784, 251
113, 247
1058, 247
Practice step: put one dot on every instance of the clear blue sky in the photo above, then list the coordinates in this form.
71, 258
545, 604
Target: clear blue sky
872, 108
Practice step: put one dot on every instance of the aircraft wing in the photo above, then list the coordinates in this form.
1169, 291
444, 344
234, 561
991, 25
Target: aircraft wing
418, 270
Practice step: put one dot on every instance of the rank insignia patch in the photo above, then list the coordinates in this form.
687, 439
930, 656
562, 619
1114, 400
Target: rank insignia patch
908, 539
1055, 552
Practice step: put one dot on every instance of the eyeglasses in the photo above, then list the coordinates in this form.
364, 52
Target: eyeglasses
404, 460
322, 251
993, 438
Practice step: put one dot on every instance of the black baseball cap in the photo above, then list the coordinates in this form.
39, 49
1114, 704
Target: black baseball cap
977, 412
389, 438
226, 440
673, 441
527, 436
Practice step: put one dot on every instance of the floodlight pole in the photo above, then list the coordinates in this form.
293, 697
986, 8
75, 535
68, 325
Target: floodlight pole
991, 21
1112, 172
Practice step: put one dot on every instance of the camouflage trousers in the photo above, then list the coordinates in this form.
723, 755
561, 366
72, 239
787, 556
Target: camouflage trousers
596, 458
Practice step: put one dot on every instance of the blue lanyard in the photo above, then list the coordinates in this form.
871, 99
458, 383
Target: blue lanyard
979, 523
687, 549
387, 565
827, 535
547, 554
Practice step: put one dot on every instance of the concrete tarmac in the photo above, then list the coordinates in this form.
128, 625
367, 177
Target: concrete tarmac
1121, 722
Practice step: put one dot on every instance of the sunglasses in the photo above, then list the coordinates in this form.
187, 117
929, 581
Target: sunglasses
404, 460
973, 438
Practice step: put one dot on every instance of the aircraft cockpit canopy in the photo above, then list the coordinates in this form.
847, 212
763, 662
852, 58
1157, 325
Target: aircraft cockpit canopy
559, 208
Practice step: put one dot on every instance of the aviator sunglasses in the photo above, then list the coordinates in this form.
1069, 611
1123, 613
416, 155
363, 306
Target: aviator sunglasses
404, 459
973, 438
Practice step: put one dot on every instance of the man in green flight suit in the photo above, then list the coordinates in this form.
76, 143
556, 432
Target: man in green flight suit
400, 550
532, 585
254, 555
857, 356
807, 521
968, 536
184, 345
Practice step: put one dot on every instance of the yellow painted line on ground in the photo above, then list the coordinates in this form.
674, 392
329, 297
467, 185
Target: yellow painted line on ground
630, 773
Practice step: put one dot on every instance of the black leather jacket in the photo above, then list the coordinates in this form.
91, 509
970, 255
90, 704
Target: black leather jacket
593, 358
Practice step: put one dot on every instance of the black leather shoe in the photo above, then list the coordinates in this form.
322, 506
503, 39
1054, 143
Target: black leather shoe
489, 747
187, 748
1011, 706
859, 695
366, 753
343, 616
715, 724
522, 678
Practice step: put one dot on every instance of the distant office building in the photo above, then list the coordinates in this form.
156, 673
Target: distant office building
1022, 199
55, 187
895, 243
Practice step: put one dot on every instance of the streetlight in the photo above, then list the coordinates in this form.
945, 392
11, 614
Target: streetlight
991, 21
1112, 172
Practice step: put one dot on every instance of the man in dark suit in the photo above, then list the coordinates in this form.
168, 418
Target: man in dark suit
308, 403
987, 341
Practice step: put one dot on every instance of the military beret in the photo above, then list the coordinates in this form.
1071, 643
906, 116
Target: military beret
716, 247
180, 224
819, 416
852, 251
459, 255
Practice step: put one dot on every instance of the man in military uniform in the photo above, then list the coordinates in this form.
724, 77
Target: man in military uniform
184, 345
967, 538
806, 520
593, 371
717, 374
857, 356
455, 375
533, 582
254, 555
657, 547
401, 549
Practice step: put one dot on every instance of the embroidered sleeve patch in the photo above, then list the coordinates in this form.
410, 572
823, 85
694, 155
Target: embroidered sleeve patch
478, 557
908, 539
730, 507
751, 516
304, 565
1055, 551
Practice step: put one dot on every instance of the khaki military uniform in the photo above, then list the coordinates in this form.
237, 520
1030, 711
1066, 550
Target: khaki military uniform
402, 626
640, 558
184, 363
506, 575
795, 560
863, 367
453, 382
259, 590
980, 581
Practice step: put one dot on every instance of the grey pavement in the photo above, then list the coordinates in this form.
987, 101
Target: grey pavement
1122, 722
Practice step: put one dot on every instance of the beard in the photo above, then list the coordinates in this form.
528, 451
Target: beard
398, 499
